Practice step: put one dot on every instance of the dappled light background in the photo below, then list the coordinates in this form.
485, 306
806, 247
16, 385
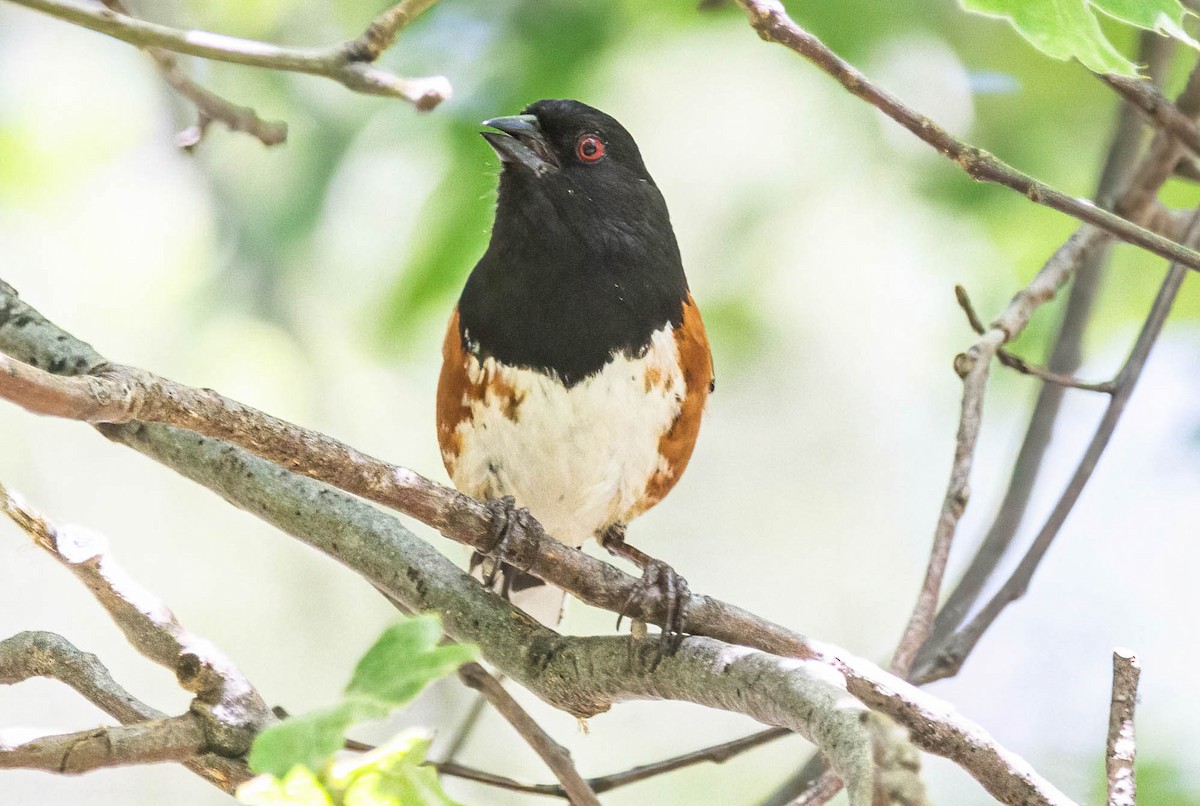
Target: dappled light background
313, 280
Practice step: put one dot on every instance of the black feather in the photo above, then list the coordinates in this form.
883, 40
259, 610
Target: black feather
582, 261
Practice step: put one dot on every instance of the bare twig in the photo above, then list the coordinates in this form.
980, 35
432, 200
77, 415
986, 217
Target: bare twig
949, 659
557, 757
209, 105
717, 754
1121, 746
1008, 359
176, 738
1144, 96
44, 654
150, 626
1120, 169
349, 63
773, 24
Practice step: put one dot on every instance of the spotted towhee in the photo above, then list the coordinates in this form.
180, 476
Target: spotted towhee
576, 367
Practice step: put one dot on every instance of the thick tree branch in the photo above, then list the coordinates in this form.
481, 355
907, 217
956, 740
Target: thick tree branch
557, 757
349, 63
176, 738
1121, 746
773, 24
581, 675
116, 394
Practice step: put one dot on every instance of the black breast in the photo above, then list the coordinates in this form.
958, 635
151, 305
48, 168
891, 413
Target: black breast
565, 285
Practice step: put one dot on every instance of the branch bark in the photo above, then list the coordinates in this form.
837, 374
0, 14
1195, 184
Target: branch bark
1121, 746
349, 63
581, 675
557, 757
176, 738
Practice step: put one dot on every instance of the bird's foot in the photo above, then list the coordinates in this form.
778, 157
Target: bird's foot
508, 528
660, 578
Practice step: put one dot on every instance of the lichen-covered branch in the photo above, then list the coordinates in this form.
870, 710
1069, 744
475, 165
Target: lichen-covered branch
1121, 747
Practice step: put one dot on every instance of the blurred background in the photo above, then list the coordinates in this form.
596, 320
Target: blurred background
313, 280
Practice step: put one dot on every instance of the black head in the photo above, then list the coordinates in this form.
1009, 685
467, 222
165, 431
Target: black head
567, 140
582, 261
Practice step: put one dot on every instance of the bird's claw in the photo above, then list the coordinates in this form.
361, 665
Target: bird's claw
673, 588
508, 524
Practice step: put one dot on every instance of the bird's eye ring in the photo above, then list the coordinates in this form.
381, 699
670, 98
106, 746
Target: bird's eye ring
590, 148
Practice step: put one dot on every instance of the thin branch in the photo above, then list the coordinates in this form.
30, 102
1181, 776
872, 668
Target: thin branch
773, 24
557, 757
1121, 748
349, 63
45, 654
209, 105
583, 676
973, 366
176, 738
1008, 359
1118, 179
1144, 96
232, 707
116, 394
950, 657
717, 754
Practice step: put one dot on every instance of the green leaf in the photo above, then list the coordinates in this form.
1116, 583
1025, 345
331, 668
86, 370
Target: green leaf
391, 775
307, 740
1061, 29
298, 788
404, 660
1164, 16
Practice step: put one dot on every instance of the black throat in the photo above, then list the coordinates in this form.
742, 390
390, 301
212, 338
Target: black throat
572, 277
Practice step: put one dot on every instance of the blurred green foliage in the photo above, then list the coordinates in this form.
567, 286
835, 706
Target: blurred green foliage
1046, 117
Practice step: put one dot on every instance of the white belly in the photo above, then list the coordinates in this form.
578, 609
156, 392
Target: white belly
579, 459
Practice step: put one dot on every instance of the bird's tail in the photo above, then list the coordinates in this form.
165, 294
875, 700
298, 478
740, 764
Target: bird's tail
539, 599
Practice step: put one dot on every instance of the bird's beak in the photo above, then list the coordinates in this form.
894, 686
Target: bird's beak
521, 143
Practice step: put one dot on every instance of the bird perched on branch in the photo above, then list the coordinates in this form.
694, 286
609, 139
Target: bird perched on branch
576, 366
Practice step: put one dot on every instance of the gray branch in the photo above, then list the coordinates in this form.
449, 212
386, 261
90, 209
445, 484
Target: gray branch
583, 676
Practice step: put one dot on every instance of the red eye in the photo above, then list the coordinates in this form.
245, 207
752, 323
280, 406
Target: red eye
590, 148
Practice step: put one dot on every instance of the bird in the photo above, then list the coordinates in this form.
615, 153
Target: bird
576, 367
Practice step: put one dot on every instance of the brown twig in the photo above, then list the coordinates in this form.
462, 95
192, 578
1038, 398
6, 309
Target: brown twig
230, 710
209, 106
1008, 359
1121, 748
349, 63
716, 754
949, 659
773, 24
1121, 167
176, 738
557, 757
1144, 96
